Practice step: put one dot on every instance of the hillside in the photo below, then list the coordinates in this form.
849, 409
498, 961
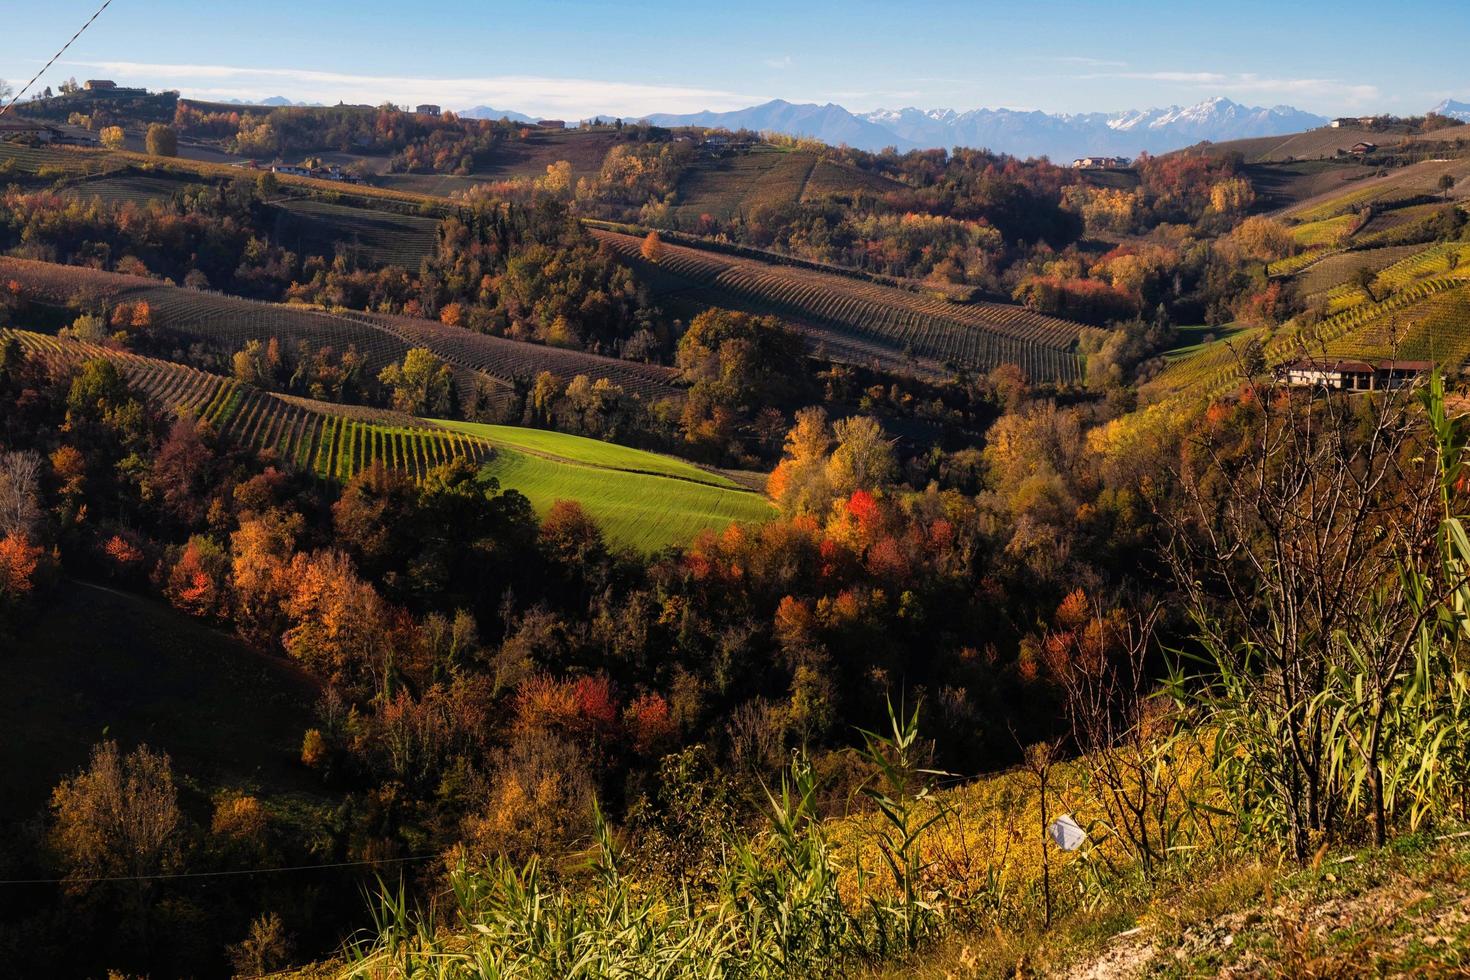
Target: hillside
641, 500
225, 323
861, 322
231, 717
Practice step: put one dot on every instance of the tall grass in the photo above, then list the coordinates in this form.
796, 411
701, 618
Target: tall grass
778, 910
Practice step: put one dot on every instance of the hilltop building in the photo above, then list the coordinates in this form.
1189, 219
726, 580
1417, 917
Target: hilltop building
1099, 163
551, 124
429, 109
99, 84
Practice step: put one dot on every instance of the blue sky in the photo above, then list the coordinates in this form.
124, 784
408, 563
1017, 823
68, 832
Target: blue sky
572, 58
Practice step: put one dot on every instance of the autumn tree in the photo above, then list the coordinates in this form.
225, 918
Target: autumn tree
113, 137
119, 817
341, 628
863, 459
162, 141
421, 385
20, 494
258, 363
1263, 239
652, 248
799, 482
736, 364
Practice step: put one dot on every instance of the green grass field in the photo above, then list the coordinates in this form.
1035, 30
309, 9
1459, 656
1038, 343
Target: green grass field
640, 499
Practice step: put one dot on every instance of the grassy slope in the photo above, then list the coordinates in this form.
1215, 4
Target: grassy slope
1401, 911
640, 499
229, 716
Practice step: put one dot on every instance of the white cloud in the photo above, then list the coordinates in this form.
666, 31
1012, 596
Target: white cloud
1249, 83
564, 97
785, 61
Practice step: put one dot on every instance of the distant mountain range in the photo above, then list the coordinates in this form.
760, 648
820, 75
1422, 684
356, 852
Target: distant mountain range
1034, 133
1453, 109
485, 112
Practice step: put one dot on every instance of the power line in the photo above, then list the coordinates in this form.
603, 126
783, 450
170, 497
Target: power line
217, 874
16, 98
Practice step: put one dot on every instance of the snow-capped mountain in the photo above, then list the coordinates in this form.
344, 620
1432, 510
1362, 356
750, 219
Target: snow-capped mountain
1020, 132
1453, 109
829, 123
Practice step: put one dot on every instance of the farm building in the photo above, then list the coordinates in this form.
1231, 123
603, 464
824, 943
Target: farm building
1350, 375
12, 128
1363, 149
1099, 163
428, 109
552, 124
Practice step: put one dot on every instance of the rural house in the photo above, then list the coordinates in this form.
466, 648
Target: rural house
23, 130
99, 84
1352, 375
1099, 163
1363, 149
428, 109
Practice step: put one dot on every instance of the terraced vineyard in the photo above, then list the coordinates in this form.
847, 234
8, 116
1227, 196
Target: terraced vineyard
123, 188
829, 179
1404, 225
382, 237
1396, 186
48, 161
642, 500
862, 321
1335, 270
226, 323
1397, 267
1294, 264
1428, 319
331, 441
1324, 233
505, 360
726, 188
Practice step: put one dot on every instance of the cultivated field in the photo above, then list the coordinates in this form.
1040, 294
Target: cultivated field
226, 323
863, 322
730, 187
331, 441
309, 226
1427, 319
583, 149
1314, 144
1398, 185
641, 500
829, 179
1334, 270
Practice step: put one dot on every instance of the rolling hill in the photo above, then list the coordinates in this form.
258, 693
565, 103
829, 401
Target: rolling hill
642, 500
229, 716
862, 322
225, 323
